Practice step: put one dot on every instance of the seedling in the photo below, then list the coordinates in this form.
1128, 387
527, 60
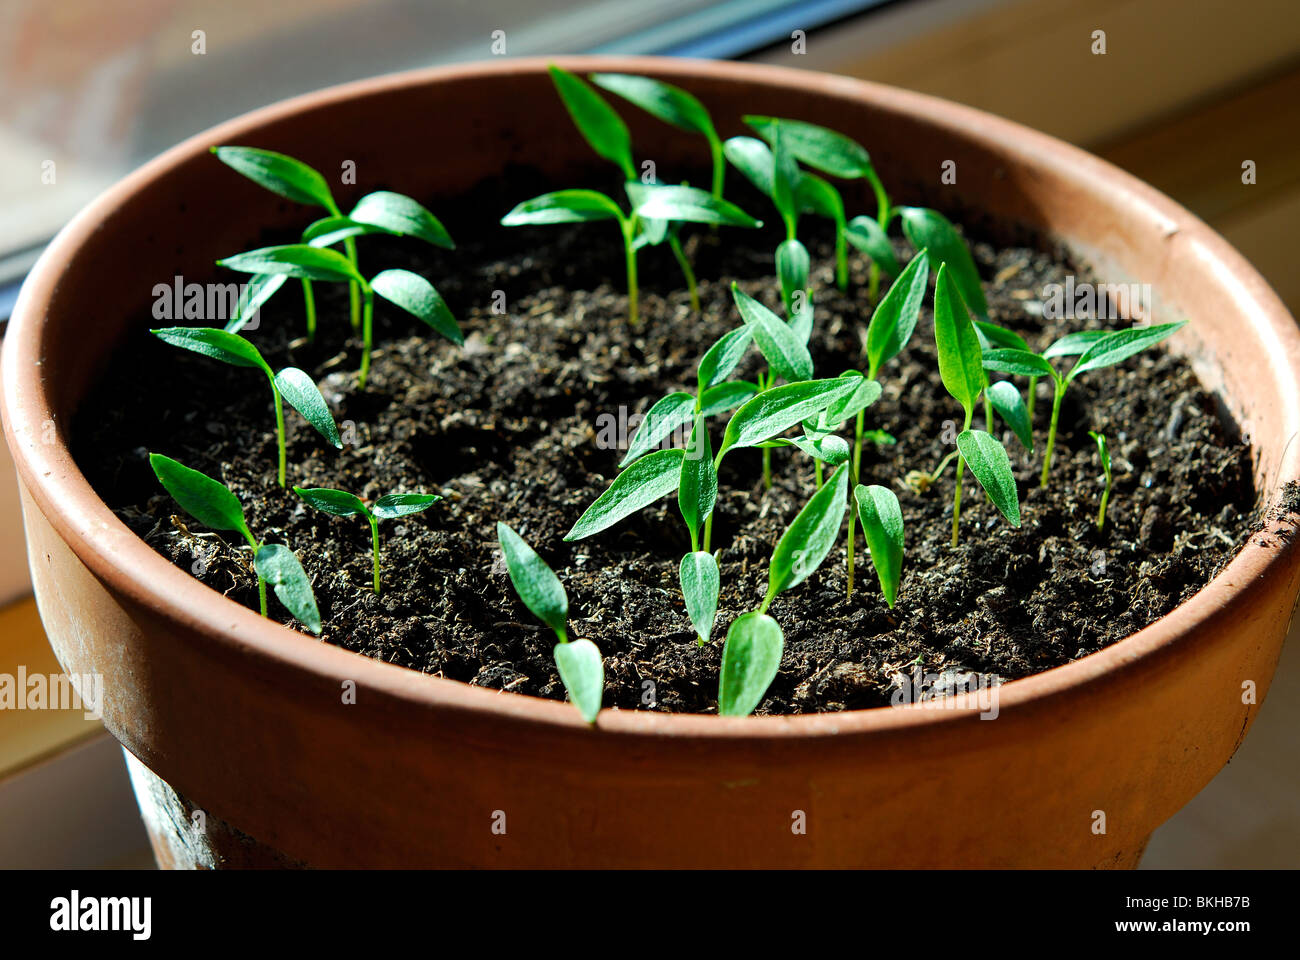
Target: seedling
962, 372
929, 230
579, 662
1096, 349
672, 105
289, 384
211, 503
339, 503
839, 156
410, 291
697, 492
602, 128
659, 202
774, 172
882, 524
1103, 454
752, 654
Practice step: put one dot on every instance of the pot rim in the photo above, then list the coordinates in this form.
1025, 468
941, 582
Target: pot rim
120, 559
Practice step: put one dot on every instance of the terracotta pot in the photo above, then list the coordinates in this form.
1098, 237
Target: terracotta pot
245, 720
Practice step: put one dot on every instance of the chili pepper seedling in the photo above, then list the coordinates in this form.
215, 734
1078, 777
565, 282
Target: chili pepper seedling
607, 134
382, 211
774, 172
211, 503
579, 662
752, 653
672, 105
1096, 350
1103, 454
962, 372
882, 525
289, 384
667, 203
838, 156
697, 491
340, 503
402, 288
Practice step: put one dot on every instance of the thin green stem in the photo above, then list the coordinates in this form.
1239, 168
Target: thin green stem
367, 333
374, 546
859, 428
1101, 513
350, 248
719, 165
675, 245
309, 306
817, 467
956, 498
629, 253
279, 423
1029, 401
1051, 432
767, 468
261, 584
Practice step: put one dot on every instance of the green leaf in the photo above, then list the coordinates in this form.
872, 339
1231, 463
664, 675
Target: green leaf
716, 365
301, 393
278, 173
726, 396
815, 195
653, 476
398, 214
698, 489
810, 536
683, 204
1010, 405
776, 410
206, 500
961, 365
670, 104
819, 147
662, 419
417, 296
563, 206
792, 267
595, 120
753, 159
277, 565
785, 175
882, 522
1021, 363
338, 503
535, 582
784, 351
251, 297
583, 674
328, 231
988, 460
895, 316
218, 344
930, 230
393, 505
651, 234
802, 321
827, 448
866, 234
864, 394
1121, 345
1073, 344
750, 660
296, 260
700, 584
993, 337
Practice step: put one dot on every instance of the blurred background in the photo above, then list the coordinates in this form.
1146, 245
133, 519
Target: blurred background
1186, 91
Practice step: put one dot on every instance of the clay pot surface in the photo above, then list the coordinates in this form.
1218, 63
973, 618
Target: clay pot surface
247, 720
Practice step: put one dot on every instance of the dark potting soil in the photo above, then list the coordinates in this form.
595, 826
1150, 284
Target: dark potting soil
510, 427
